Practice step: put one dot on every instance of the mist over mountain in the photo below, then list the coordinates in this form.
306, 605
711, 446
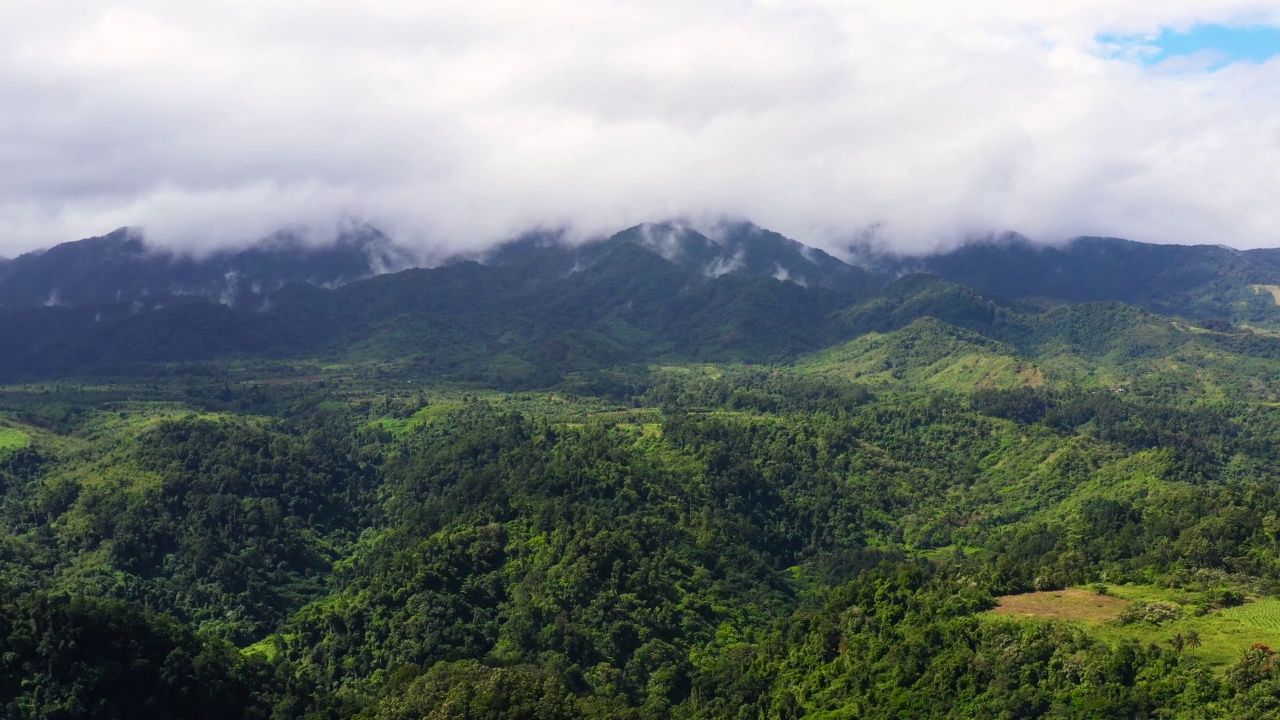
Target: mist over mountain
530, 310
1195, 281
497, 360
727, 248
120, 267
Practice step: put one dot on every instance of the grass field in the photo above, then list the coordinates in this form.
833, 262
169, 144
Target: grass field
1073, 604
11, 439
1224, 634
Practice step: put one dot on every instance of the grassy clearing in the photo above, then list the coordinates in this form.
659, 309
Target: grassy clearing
12, 440
1073, 604
1224, 634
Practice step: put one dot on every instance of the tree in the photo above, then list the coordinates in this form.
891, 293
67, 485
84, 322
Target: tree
1191, 639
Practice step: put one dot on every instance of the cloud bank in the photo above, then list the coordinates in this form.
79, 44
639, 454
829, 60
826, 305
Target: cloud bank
916, 123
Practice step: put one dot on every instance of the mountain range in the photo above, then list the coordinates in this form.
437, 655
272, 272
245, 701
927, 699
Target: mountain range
529, 311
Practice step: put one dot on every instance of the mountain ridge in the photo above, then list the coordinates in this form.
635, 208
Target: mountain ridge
121, 267
1197, 282
1193, 281
529, 312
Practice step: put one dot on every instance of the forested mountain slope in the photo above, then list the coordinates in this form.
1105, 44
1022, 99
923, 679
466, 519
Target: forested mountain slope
714, 545
1191, 281
611, 481
540, 310
120, 268
629, 297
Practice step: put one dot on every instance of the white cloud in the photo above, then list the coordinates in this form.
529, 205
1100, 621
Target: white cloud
459, 123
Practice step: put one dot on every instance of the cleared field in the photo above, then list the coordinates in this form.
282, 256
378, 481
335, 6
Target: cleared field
1072, 604
1224, 634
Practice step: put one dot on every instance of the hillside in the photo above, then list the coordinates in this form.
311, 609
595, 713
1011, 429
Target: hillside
695, 541
121, 269
1198, 282
612, 481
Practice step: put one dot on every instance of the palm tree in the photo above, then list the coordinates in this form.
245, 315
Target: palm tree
1192, 639
1179, 643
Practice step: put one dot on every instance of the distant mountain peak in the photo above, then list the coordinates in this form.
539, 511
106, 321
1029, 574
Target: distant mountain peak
734, 248
121, 267
672, 241
743, 248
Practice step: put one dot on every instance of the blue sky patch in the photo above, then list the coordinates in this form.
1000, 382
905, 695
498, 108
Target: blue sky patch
1203, 47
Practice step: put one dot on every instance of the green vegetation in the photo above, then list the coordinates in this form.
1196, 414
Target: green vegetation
1208, 283
1263, 614
1150, 615
12, 440
693, 541
927, 354
637, 492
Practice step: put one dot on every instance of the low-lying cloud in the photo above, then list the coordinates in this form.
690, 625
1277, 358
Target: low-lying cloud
455, 124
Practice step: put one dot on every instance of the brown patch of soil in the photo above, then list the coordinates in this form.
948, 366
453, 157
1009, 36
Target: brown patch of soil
1072, 604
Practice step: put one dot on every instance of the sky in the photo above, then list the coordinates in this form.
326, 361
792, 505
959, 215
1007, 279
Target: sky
914, 124
1199, 48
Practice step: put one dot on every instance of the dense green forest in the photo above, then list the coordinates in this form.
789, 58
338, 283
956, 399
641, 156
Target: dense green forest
682, 541
637, 491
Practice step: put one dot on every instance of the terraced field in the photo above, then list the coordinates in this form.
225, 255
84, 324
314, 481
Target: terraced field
1262, 614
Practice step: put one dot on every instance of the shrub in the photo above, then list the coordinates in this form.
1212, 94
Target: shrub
1154, 613
1223, 597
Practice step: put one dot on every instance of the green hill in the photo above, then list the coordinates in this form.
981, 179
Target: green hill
604, 482
926, 353
1198, 282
